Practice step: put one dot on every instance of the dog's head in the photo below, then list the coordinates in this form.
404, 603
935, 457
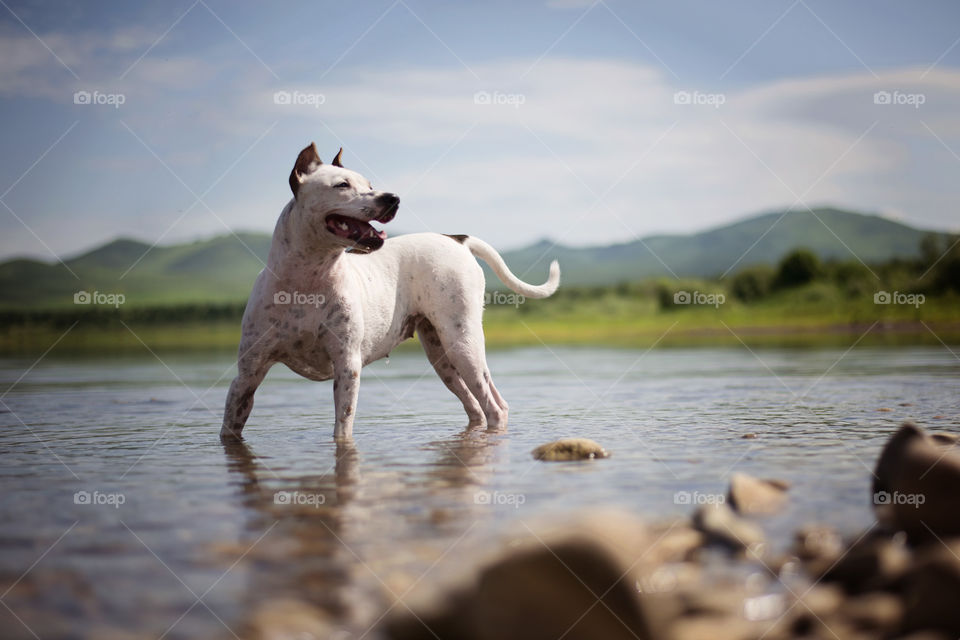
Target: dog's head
339, 204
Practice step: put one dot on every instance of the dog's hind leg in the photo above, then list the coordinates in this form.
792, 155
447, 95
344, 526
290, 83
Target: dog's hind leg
251, 369
466, 352
496, 394
448, 373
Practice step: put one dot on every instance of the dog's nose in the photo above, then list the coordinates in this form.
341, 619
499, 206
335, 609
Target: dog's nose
388, 200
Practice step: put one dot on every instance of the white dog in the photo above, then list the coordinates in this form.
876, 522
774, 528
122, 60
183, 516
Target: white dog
326, 312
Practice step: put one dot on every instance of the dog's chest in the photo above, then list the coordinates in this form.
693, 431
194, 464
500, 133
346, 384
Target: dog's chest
309, 338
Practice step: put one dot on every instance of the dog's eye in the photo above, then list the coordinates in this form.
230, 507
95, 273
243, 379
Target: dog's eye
342, 185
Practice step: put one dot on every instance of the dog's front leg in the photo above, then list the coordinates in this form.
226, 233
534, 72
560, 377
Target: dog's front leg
240, 401
346, 390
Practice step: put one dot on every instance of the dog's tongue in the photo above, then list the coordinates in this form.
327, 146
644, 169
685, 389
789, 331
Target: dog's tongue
372, 239
355, 230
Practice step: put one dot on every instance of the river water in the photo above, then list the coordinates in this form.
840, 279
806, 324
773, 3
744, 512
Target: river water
123, 515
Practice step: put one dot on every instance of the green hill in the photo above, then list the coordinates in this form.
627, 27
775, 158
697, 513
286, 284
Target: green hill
222, 269
764, 239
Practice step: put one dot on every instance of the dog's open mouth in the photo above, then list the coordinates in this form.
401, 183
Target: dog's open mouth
361, 233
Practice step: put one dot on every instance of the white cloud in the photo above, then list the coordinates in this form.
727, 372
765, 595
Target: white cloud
530, 158
583, 123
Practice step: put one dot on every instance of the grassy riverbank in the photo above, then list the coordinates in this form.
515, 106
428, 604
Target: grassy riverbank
809, 316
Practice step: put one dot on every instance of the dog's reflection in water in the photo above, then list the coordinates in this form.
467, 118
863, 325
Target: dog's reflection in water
297, 545
350, 539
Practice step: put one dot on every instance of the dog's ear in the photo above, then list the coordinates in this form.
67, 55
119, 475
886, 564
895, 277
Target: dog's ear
307, 162
337, 160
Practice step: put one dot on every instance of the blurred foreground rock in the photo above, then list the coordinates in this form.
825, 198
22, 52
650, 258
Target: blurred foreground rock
288, 619
576, 582
749, 495
608, 575
917, 484
721, 525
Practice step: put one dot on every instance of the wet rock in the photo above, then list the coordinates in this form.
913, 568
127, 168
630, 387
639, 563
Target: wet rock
576, 581
722, 526
714, 600
715, 627
945, 439
917, 484
931, 590
749, 495
569, 449
674, 543
876, 611
670, 578
812, 613
875, 562
821, 601
817, 542
552, 592
285, 619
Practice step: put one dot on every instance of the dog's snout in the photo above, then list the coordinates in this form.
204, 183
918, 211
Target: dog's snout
388, 200
388, 203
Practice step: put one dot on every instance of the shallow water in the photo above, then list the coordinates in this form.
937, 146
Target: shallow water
202, 535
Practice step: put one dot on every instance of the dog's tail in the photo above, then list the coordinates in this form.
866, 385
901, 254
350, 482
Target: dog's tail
488, 254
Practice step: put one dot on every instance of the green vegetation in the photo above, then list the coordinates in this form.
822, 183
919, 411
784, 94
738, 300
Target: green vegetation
221, 270
800, 300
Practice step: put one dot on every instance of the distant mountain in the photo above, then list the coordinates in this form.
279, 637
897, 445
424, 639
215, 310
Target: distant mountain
762, 239
218, 270
223, 268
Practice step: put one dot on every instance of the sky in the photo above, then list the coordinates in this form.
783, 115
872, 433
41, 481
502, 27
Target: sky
587, 122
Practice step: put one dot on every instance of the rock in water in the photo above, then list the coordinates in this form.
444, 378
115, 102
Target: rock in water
282, 619
721, 525
570, 449
931, 590
554, 592
917, 484
577, 581
749, 495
